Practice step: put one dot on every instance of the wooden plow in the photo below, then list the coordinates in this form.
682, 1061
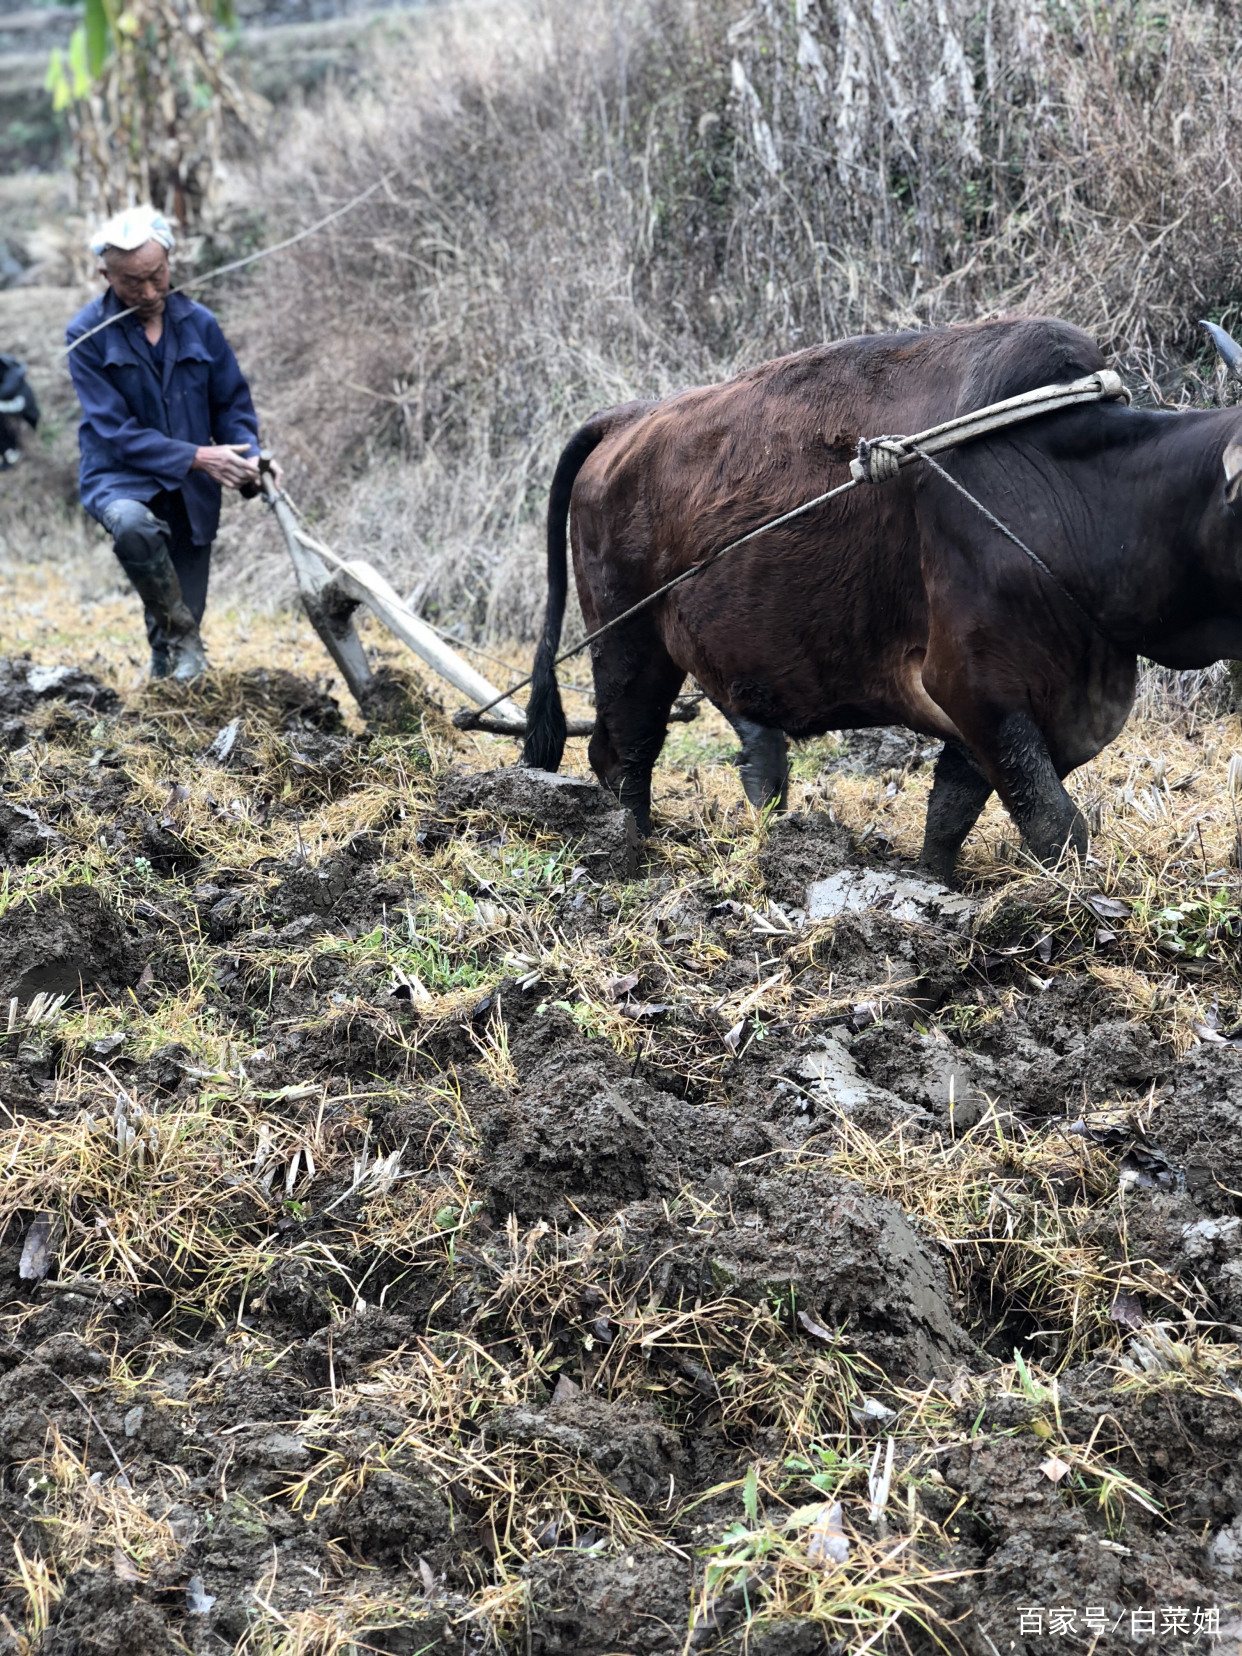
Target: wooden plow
332, 588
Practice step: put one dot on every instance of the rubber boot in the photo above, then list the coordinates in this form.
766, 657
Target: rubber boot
156, 583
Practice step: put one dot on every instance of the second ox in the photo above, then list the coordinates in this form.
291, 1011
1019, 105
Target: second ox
899, 603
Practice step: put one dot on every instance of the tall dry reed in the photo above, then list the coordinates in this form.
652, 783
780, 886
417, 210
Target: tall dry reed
591, 201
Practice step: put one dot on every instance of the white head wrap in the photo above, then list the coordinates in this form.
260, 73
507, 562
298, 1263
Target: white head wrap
131, 229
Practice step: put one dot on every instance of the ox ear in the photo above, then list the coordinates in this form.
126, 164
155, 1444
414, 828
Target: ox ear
1232, 462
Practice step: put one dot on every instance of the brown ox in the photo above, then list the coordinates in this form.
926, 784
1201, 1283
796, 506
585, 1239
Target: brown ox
898, 603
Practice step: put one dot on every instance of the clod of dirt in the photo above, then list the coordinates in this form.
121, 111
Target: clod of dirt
848, 1259
585, 1605
346, 1346
23, 684
311, 889
398, 703
101, 1616
569, 806
1043, 1068
63, 940
275, 1451
1038, 1070
319, 756
1224, 1550
1213, 1250
165, 1070
394, 1516
930, 1074
626, 1441
1199, 1125
227, 1556
801, 849
164, 847
1042, 1547
906, 897
915, 966
24, 836
582, 1135
832, 1084
225, 912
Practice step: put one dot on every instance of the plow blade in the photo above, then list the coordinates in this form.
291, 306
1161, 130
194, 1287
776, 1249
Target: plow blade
328, 611
332, 589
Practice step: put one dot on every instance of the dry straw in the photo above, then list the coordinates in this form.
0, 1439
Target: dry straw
217, 1201
591, 206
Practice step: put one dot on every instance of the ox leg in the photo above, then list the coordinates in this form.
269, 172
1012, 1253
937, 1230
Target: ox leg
1049, 820
960, 790
634, 692
764, 762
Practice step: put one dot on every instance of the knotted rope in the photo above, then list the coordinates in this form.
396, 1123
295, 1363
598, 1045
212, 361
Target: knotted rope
879, 459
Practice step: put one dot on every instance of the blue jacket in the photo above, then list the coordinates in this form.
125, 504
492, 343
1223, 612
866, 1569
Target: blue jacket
138, 433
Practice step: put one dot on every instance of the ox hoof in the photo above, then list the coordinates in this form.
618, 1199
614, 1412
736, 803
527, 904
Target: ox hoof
941, 869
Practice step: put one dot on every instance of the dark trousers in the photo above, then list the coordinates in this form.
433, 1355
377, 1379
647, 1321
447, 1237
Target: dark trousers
10, 443
140, 530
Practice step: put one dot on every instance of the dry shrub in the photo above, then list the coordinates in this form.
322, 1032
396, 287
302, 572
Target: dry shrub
588, 202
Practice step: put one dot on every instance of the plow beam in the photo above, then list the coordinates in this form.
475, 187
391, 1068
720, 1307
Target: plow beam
332, 588
357, 582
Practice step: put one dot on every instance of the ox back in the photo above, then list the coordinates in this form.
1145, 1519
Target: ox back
898, 603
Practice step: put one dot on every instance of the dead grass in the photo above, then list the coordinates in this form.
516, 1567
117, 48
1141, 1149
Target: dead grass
757, 180
585, 205
203, 1200
1028, 1218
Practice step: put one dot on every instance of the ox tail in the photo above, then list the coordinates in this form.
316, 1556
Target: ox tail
545, 717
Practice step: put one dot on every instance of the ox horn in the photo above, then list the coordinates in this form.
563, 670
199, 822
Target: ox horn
1230, 350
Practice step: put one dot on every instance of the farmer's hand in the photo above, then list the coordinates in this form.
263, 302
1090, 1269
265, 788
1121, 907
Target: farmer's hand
270, 467
227, 463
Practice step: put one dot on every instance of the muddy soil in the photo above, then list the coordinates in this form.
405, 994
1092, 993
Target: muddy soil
437, 1221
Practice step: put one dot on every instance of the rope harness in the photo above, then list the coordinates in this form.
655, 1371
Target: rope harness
879, 460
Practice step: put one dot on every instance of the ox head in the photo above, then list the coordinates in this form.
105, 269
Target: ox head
1231, 355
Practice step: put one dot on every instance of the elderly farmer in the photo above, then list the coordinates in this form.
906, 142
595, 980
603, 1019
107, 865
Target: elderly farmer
167, 421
